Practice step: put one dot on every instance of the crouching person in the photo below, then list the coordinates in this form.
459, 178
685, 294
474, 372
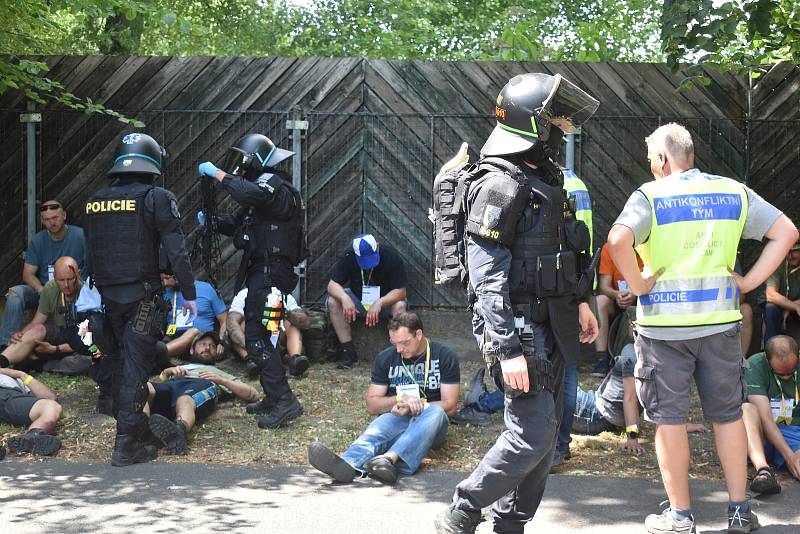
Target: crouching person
186, 394
413, 390
24, 401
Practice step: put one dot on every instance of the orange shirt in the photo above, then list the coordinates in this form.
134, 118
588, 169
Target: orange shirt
607, 266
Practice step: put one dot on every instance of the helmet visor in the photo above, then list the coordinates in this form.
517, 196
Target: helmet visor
236, 161
568, 106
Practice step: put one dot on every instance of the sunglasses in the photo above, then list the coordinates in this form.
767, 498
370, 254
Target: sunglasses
45, 207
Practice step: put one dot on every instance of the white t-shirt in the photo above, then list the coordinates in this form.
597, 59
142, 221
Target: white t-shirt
12, 383
238, 302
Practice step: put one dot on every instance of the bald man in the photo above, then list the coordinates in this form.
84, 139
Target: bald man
47, 332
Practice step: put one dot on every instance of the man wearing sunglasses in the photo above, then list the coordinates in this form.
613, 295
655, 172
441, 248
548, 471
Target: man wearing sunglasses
56, 240
772, 413
413, 390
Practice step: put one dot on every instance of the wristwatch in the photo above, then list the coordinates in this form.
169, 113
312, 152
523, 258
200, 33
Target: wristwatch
633, 434
632, 431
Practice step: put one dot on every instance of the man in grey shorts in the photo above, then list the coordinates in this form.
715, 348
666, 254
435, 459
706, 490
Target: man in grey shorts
686, 226
24, 401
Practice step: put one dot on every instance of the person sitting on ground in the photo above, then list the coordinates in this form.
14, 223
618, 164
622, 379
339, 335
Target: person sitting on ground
53, 331
292, 319
209, 307
56, 240
368, 281
782, 307
24, 401
613, 297
188, 393
413, 389
772, 413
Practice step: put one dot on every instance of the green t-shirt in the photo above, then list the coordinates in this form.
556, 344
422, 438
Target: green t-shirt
762, 381
786, 280
51, 304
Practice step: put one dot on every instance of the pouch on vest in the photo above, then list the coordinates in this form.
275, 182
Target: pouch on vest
447, 217
494, 204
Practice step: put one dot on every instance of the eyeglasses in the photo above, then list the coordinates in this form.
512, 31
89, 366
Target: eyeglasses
405, 342
45, 207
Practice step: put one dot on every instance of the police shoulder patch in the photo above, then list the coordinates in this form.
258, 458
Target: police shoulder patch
268, 182
173, 207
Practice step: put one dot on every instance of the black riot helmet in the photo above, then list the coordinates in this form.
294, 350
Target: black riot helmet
138, 153
253, 152
529, 106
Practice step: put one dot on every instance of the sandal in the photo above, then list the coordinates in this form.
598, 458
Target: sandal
764, 482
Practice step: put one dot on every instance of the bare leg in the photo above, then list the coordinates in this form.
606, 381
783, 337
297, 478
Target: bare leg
16, 352
747, 327
294, 339
340, 324
605, 309
755, 435
234, 327
672, 449
184, 411
45, 414
731, 441
180, 345
151, 394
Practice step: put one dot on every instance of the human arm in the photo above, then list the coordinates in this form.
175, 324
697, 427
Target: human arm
377, 401
336, 291
620, 244
229, 224
774, 434
169, 372
29, 277
774, 296
222, 318
630, 408
267, 194
588, 323
781, 235
241, 390
164, 207
388, 300
43, 347
37, 388
449, 401
233, 324
605, 287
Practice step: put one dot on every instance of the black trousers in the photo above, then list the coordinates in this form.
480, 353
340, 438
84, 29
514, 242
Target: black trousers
130, 366
512, 475
273, 377
101, 371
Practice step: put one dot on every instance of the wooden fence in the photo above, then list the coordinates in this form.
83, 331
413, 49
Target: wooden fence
378, 130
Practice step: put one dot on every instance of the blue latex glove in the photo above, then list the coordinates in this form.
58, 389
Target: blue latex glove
191, 307
207, 169
201, 218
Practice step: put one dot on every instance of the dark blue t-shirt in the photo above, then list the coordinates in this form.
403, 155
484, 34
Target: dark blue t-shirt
388, 370
43, 251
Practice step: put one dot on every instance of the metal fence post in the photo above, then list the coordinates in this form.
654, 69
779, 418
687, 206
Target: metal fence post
569, 154
297, 127
30, 119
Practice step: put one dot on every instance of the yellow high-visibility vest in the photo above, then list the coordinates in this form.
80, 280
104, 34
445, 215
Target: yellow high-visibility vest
697, 222
583, 204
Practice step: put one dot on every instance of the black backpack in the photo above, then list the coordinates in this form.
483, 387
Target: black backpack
448, 216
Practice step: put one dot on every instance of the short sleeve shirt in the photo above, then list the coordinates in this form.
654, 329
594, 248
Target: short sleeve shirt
43, 251
51, 305
237, 305
609, 268
637, 215
388, 370
786, 280
389, 274
209, 305
761, 380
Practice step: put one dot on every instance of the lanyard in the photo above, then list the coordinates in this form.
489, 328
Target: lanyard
174, 306
427, 368
780, 388
369, 277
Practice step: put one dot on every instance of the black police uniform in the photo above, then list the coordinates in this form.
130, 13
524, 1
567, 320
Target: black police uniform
125, 224
268, 226
527, 273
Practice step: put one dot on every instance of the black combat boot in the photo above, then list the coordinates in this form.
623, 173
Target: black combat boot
456, 521
297, 365
262, 407
286, 409
128, 450
171, 436
35, 441
347, 359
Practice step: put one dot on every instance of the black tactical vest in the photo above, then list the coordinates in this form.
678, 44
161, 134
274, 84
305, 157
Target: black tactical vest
542, 262
122, 248
279, 238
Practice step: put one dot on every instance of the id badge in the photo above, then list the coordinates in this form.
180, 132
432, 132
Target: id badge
171, 329
412, 390
51, 270
782, 411
369, 294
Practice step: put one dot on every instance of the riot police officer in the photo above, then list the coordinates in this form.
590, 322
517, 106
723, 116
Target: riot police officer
268, 226
529, 277
126, 222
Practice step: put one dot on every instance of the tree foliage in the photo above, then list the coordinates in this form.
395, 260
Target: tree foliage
737, 34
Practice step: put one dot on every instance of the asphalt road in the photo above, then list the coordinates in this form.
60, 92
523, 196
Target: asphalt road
54, 496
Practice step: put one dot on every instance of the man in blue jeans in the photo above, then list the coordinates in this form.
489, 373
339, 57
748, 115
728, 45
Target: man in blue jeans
413, 389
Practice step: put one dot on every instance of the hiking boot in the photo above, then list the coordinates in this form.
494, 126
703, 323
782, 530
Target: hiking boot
476, 388
71, 365
346, 360
105, 405
35, 441
559, 457
665, 523
297, 364
323, 459
600, 368
382, 468
456, 521
286, 409
471, 415
262, 407
764, 482
129, 450
171, 436
741, 522
251, 368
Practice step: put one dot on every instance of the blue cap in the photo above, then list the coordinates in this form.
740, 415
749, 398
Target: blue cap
366, 249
